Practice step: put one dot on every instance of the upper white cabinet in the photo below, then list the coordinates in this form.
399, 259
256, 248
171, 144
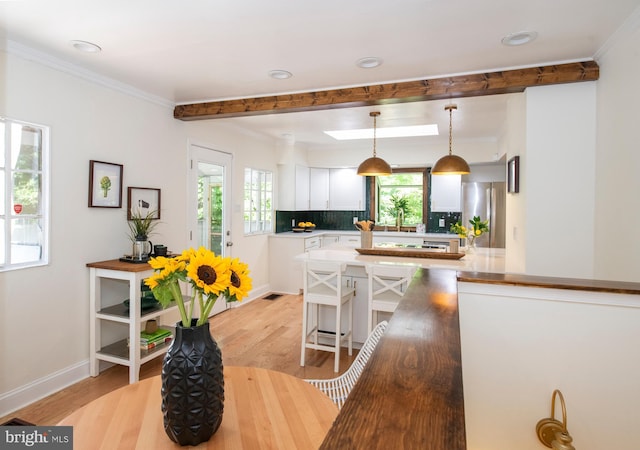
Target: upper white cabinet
446, 193
346, 190
318, 188
301, 188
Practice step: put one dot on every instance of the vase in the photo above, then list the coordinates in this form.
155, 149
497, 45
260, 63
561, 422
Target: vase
471, 244
192, 385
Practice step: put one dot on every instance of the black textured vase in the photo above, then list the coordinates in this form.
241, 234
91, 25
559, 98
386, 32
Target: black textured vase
192, 385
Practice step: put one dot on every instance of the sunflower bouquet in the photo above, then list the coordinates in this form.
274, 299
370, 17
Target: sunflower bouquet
209, 274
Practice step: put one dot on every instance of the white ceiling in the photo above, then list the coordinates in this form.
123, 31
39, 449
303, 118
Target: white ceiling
198, 50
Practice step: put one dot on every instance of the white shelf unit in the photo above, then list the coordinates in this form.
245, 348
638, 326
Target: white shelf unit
120, 352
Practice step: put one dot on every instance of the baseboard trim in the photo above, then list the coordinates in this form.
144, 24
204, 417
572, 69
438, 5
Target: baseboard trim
36, 390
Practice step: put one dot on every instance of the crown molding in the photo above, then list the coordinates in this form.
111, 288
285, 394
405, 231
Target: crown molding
53, 62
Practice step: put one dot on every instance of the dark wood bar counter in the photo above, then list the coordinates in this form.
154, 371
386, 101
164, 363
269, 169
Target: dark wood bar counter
410, 393
575, 284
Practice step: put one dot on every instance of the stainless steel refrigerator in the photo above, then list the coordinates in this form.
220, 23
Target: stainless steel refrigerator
487, 200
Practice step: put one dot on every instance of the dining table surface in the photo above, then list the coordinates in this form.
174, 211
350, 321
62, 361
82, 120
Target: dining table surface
263, 409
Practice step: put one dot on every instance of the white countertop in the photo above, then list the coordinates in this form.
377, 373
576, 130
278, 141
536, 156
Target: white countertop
481, 260
304, 234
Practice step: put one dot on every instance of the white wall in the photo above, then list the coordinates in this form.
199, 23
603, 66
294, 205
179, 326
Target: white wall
617, 208
520, 344
44, 314
560, 179
514, 144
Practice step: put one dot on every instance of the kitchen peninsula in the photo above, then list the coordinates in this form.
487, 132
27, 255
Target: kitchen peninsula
481, 260
286, 251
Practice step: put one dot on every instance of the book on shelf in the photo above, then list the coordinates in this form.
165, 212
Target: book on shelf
152, 345
159, 335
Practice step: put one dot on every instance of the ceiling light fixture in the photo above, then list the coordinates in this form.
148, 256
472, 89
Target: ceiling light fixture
369, 62
280, 74
450, 164
86, 47
519, 38
374, 166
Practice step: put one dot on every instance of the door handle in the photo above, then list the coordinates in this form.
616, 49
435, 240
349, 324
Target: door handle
229, 244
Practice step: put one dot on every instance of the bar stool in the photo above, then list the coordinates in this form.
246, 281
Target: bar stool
387, 285
324, 284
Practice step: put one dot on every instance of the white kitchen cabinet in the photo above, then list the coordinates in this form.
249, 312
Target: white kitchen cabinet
446, 193
301, 188
318, 189
357, 277
285, 272
346, 190
336, 189
349, 240
328, 240
415, 240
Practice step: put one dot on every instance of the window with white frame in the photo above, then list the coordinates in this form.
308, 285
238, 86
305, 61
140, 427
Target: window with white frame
258, 201
24, 194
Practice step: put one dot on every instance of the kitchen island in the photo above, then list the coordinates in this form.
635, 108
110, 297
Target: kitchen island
482, 260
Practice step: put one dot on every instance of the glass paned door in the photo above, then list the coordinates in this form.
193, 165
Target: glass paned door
210, 203
210, 200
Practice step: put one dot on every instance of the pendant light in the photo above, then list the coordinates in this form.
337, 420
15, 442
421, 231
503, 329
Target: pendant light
450, 164
374, 166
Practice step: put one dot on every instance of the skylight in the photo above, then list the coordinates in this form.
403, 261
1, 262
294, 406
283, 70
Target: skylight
367, 133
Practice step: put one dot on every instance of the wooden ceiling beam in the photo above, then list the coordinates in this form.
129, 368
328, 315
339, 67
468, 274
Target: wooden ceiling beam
490, 83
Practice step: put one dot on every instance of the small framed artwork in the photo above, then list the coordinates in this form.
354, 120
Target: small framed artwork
142, 202
105, 185
513, 175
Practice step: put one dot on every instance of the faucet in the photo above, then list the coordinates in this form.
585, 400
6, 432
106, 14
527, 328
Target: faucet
399, 219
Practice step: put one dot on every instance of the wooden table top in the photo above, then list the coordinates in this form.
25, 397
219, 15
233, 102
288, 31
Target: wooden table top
409, 395
116, 264
575, 284
263, 409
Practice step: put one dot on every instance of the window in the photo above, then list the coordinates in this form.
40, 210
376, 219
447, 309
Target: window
258, 195
24, 195
403, 190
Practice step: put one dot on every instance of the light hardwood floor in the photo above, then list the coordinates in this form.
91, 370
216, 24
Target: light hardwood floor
262, 333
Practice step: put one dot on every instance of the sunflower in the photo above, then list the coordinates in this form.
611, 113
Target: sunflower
211, 277
209, 273
240, 284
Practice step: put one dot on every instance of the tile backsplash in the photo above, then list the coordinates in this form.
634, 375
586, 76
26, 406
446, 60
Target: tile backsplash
325, 220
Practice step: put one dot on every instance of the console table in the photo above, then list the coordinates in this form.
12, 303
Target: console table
120, 352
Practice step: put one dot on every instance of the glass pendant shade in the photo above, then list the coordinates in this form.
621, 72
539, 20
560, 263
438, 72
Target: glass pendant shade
450, 164
374, 166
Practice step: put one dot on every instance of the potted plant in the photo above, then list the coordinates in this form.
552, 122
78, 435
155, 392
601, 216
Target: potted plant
140, 228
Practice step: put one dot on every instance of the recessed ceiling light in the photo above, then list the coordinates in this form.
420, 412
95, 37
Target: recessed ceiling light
519, 38
86, 47
369, 62
280, 74
367, 133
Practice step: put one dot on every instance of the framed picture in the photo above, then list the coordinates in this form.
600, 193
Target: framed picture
142, 201
105, 185
513, 175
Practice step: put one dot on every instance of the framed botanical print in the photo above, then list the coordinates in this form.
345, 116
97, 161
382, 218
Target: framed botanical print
105, 184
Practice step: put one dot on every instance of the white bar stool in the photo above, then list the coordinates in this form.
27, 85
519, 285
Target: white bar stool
325, 285
387, 285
